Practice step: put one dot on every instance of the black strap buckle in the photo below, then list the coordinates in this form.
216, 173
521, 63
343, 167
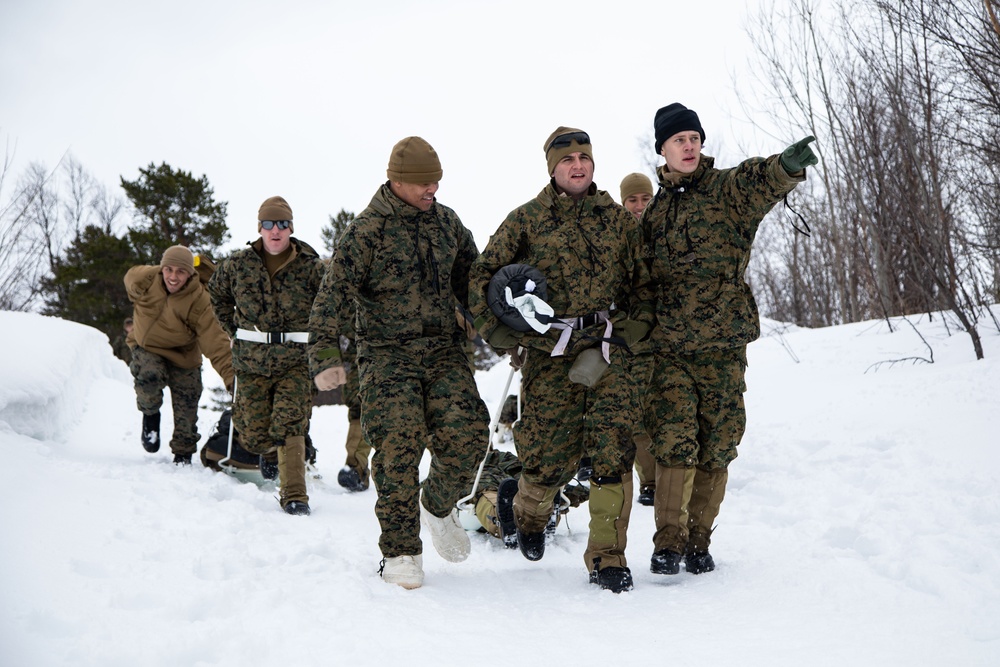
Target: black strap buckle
273, 337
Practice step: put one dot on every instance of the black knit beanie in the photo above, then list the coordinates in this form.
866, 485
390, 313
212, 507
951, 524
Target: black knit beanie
674, 118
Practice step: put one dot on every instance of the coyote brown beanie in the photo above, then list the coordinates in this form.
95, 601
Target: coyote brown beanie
674, 118
178, 256
634, 184
275, 208
414, 161
552, 156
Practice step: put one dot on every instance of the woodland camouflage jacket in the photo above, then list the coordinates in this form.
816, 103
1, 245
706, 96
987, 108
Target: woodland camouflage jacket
179, 326
588, 251
397, 275
246, 297
698, 231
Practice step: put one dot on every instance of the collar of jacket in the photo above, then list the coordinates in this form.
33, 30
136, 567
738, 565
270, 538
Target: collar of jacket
549, 197
388, 204
675, 179
298, 247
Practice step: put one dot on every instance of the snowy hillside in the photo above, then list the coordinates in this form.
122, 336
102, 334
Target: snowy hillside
862, 527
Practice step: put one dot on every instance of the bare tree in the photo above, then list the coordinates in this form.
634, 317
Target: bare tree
45, 211
903, 98
22, 248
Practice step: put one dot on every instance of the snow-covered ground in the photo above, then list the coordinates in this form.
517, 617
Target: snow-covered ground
861, 527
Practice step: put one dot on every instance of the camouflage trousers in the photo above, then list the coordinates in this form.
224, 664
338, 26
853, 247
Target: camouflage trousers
560, 422
696, 416
497, 467
413, 397
152, 373
269, 410
357, 448
645, 463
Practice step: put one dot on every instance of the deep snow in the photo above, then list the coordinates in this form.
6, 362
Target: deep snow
861, 527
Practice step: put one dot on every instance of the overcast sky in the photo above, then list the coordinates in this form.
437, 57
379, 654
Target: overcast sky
305, 99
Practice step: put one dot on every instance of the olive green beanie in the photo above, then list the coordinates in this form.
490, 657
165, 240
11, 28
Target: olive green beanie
414, 161
275, 208
636, 183
178, 256
555, 153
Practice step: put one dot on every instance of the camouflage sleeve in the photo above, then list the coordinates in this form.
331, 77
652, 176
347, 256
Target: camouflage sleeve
324, 326
756, 185
333, 308
499, 252
642, 294
223, 300
464, 259
212, 339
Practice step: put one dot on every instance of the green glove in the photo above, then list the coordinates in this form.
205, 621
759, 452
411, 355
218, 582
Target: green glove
504, 338
632, 331
798, 156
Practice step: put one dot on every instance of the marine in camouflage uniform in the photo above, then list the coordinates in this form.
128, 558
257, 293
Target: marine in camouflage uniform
354, 476
636, 193
172, 325
699, 231
588, 249
499, 467
398, 274
262, 296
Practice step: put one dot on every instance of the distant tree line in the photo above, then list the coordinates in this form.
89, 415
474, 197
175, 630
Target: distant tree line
65, 246
904, 207
904, 98
66, 241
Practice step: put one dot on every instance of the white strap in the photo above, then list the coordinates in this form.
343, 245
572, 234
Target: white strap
567, 326
257, 336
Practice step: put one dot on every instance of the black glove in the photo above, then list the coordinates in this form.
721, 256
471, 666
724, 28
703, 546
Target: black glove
798, 156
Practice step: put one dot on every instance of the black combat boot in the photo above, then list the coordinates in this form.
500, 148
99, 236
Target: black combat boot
614, 579
182, 459
699, 562
505, 512
151, 432
532, 544
297, 508
352, 480
550, 527
646, 495
665, 561
268, 469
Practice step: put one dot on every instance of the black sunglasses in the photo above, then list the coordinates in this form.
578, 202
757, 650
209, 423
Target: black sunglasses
564, 140
268, 224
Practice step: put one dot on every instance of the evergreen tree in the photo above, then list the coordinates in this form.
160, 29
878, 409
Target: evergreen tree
87, 283
332, 233
175, 209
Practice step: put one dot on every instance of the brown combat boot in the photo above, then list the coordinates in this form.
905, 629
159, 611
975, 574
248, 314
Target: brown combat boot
354, 476
610, 509
707, 493
670, 512
532, 509
292, 474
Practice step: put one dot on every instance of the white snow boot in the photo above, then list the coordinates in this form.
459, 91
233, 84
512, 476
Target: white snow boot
405, 571
447, 534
